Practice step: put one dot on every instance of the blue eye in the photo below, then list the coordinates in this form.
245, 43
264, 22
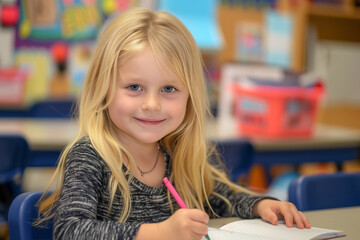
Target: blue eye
169, 89
134, 87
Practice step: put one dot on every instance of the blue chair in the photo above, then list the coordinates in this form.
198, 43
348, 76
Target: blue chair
237, 156
14, 157
14, 112
52, 109
334, 190
22, 214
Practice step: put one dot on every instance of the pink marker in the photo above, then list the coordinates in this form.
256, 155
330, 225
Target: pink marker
177, 197
174, 193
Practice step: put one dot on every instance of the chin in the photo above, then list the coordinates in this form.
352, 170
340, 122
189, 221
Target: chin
151, 139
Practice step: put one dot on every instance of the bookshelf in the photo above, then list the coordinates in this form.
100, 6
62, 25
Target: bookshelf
347, 9
331, 21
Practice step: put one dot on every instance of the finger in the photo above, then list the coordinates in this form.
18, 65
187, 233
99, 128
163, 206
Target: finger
305, 220
270, 216
196, 236
199, 216
199, 228
298, 219
288, 213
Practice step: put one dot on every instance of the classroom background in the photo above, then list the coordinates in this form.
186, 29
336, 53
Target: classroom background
282, 76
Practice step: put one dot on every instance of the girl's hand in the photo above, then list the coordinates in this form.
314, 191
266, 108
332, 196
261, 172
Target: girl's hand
272, 211
184, 224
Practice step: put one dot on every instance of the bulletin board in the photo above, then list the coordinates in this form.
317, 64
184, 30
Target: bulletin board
42, 26
51, 20
44, 23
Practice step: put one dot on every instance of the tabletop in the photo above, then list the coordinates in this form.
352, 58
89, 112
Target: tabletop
324, 136
41, 134
344, 219
56, 133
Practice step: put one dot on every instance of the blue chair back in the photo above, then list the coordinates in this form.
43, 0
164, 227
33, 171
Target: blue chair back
325, 191
14, 156
22, 214
52, 109
237, 156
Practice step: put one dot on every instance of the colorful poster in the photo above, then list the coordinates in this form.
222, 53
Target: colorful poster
249, 42
50, 20
38, 64
279, 39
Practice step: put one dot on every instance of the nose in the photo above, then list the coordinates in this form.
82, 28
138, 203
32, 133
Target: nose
151, 102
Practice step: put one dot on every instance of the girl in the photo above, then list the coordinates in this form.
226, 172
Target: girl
142, 115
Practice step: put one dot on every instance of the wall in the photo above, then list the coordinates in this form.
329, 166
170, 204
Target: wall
338, 63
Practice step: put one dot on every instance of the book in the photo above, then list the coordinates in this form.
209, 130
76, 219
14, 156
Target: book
257, 229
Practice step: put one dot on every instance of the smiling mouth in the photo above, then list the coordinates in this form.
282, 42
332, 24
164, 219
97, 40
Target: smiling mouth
149, 122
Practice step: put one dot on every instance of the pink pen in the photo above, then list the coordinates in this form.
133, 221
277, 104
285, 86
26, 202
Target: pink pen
177, 196
174, 193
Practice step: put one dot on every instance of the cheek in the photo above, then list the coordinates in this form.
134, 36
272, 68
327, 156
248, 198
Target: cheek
179, 111
183, 112
120, 107
113, 113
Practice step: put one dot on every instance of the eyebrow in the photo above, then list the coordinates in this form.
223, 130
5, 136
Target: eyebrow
173, 80
165, 81
129, 79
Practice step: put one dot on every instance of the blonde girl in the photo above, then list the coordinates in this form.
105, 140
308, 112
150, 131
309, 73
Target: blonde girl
142, 117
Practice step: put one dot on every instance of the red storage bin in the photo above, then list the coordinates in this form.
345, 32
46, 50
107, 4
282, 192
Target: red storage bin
276, 111
12, 86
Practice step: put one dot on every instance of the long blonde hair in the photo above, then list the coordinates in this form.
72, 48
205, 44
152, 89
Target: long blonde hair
172, 43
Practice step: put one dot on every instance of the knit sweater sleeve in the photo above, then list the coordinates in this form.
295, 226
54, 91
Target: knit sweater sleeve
242, 203
76, 211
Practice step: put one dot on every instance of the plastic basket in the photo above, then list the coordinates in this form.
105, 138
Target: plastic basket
273, 111
12, 86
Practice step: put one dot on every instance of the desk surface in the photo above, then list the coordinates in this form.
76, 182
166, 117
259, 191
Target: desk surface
344, 219
41, 134
55, 134
324, 136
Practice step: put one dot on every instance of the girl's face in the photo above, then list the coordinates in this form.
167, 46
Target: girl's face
149, 101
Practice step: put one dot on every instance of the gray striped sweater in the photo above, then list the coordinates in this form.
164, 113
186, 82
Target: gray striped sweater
82, 210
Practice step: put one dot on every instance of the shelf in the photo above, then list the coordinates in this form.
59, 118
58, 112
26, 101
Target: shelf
333, 22
334, 11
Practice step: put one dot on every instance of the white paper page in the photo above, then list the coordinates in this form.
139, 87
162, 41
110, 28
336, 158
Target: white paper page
280, 231
218, 234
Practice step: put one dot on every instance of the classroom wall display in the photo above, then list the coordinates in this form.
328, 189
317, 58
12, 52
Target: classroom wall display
12, 82
48, 76
249, 42
37, 62
53, 41
279, 32
49, 20
79, 60
200, 18
45, 25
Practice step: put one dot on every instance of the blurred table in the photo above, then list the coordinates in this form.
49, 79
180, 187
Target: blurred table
327, 144
344, 219
48, 137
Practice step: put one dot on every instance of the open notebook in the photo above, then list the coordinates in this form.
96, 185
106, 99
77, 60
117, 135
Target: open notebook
256, 229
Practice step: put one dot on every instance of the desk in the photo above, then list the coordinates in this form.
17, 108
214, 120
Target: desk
344, 219
46, 137
329, 143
